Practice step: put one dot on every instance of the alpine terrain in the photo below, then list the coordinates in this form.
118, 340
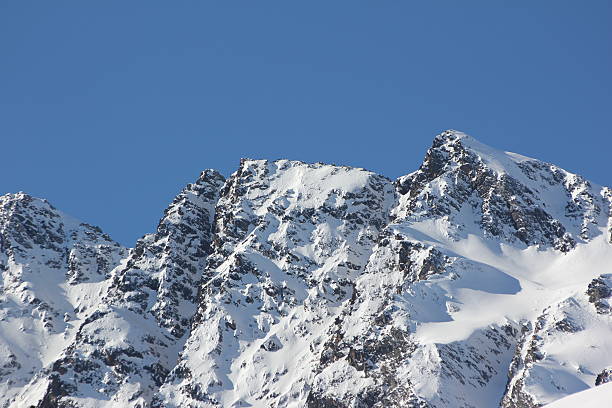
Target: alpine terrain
482, 279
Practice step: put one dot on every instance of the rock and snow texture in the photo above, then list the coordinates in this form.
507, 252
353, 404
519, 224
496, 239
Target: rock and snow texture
122, 350
54, 270
482, 279
291, 240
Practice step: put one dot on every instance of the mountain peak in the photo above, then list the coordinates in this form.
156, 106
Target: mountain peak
449, 136
209, 174
23, 198
460, 148
507, 193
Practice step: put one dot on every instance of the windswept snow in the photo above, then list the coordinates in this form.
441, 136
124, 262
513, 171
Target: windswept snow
598, 397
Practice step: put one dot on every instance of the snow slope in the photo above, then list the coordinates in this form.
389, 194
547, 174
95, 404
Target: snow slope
592, 398
482, 279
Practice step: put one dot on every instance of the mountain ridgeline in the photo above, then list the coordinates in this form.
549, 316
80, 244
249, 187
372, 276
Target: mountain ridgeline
483, 279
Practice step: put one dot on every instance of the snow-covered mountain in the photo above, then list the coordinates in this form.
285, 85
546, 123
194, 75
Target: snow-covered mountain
482, 279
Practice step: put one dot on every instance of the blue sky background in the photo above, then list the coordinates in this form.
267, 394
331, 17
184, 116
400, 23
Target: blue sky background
108, 108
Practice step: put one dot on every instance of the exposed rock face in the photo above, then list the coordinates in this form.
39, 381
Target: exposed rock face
166, 267
479, 280
600, 292
604, 377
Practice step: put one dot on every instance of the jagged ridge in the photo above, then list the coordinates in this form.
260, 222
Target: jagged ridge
294, 284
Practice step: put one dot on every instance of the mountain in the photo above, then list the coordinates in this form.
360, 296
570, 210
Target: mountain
480, 280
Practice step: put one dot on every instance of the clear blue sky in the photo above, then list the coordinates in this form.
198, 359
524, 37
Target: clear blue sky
108, 108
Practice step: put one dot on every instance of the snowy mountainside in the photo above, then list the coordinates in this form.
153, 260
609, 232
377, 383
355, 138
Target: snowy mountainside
291, 240
55, 270
122, 352
470, 229
482, 279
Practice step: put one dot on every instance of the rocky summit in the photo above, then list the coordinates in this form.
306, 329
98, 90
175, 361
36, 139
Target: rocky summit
482, 279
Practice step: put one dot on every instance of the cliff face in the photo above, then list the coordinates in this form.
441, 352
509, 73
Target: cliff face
479, 280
